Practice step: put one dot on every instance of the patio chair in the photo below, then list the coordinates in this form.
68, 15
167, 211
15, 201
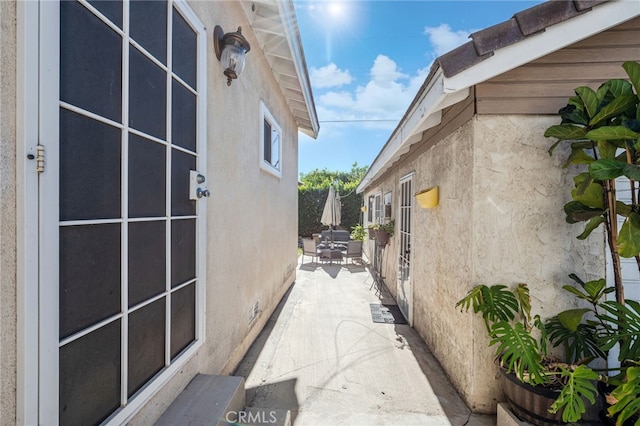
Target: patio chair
309, 248
354, 250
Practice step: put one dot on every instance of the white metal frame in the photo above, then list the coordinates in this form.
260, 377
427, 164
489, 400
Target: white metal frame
265, 115
39, 357
400, 211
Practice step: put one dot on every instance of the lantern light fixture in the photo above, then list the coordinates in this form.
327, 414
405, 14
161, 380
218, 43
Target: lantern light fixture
230, 50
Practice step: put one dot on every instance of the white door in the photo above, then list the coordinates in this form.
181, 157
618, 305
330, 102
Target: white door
121, 272
405, 212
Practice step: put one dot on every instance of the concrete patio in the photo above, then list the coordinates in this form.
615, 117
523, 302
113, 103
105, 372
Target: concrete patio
322, 357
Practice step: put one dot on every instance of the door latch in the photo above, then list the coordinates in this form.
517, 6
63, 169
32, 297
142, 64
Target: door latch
197, 189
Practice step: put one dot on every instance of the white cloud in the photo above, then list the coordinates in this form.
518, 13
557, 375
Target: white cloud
444, 39
384, 97
329, 76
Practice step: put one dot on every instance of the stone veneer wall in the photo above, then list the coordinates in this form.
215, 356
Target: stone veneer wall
499, 220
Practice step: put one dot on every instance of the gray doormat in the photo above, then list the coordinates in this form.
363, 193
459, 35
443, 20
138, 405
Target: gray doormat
389, 314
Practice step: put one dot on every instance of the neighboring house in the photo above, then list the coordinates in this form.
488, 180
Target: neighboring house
117, 287
475, 130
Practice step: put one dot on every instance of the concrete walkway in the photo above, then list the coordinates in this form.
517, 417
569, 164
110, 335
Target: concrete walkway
323, 358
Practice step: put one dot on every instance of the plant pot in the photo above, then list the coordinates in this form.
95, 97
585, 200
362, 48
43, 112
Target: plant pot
382, 237
372, 233
532, 403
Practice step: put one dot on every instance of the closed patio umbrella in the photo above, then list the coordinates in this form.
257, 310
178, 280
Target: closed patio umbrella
331, 215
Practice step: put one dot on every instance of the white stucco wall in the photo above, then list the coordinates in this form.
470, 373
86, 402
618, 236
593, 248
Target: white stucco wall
499, 220
252, 215
7, 212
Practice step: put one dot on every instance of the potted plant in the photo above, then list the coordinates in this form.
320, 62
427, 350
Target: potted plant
539, 387
357, 232
371, 229
384, 231
603, 129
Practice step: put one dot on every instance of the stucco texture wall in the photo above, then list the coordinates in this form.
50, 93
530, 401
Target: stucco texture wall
499, 220
8, 212
252, 214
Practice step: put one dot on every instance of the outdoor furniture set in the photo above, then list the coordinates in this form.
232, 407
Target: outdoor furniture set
336, 250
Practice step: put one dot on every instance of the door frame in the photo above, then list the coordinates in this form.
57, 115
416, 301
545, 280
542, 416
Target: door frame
37, 102
408, 177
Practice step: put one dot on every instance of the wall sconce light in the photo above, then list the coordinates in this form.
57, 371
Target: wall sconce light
428, 198
230, 49
363, 209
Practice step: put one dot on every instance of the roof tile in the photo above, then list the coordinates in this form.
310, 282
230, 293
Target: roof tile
587, 4
539, 17
460, 58
497, 36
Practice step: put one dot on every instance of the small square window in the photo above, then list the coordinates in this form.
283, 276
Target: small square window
271, 145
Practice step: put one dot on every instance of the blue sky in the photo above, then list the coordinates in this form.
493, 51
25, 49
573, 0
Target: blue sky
366, 61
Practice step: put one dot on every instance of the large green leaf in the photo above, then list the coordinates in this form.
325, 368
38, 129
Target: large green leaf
633, 71
607, 133
579, 386
495, 303
617, 106
578, 344
606, 169
607, 150
571, 318
623, 209
566, 132
578, 156
629, 236
573, 112
592, 225
616, 87
623, 328
518, 351
578, 212
522, 294
589, 99
627, 396
588, 192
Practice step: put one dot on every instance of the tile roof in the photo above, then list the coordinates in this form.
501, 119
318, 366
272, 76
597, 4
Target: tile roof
522, 25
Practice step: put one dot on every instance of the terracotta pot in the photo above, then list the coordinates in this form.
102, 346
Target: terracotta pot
532, 403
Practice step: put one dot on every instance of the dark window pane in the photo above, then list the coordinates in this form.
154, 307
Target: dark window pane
184, 50
183, 251
147, 175
89, 168
90, 62
112, 9
148, 26
146, 344
89, 275
183, 318
267, 142
183, 117
181, 164
147, 254
148, 95
90, 377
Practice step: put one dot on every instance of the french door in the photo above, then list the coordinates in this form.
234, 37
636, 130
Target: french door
405, 211
121, 122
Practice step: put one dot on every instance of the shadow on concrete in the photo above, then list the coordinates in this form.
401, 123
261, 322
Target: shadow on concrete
332, 270
256, 396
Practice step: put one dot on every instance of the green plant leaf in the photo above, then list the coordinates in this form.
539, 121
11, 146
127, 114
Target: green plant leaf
606, 169
616, 87
578, 344
623, 209
595, 289
617, 106
573, 113
571, 318
627, 395
633, 71
607, 133
589, 99
606, 149
579, 386
578, 212
588, 192
518, 351
591, 226
623, 327
578, 156
629, 236
566, 132
524, 300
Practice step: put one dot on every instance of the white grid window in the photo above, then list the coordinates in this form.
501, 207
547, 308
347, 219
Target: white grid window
271, 143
